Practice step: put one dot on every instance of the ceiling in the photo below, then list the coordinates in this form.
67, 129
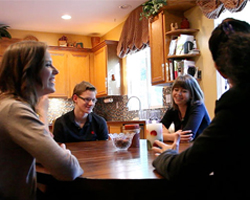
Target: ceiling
89, 17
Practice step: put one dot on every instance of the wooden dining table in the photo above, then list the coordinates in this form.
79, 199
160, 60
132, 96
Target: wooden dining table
108, 173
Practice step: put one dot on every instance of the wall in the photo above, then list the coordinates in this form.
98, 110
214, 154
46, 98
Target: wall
51, 38
204, 62
114, 34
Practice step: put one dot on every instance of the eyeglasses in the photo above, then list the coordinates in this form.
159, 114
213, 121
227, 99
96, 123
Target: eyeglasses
87, 100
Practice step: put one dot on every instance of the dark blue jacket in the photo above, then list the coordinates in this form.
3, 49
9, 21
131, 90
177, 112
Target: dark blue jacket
222, 149
66, 130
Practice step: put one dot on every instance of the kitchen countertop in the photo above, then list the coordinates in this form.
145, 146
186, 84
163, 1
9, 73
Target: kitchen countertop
143, 121
142, 124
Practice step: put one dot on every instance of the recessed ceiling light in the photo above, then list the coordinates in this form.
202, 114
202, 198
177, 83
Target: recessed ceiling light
66, 17
125, 6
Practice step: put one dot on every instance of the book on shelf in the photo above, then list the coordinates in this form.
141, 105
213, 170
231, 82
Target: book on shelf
171, 70
172, 46
184, 42
182, 45
176, 68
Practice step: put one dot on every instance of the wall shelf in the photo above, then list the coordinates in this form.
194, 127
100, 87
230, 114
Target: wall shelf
182, 56
182, 31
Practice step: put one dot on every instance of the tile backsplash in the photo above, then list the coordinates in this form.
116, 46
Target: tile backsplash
117, 110
58, 107
113, 111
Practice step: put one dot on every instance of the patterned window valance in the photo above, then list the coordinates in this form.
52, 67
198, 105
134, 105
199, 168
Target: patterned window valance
135, 35
213, 8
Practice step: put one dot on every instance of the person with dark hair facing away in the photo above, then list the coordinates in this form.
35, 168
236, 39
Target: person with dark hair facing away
188, 112
27, 74
218, 159
81, 124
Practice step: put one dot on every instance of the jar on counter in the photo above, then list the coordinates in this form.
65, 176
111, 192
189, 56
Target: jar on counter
133, 128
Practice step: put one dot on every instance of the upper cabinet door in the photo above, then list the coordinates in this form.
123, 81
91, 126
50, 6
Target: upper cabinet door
61, 80
106, 69
158, 49
100, 71
73, 67
78, 64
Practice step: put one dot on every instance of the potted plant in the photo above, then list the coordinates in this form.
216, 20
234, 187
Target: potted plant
4, 32
151, 8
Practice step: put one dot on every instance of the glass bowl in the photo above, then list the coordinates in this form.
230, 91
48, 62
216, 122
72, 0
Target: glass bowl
121, 141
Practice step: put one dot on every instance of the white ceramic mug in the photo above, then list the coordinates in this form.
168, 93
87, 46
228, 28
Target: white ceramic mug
154, 132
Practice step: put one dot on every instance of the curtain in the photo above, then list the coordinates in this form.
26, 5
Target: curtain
135, 35
213, 8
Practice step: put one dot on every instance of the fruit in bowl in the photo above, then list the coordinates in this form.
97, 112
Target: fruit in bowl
121, 141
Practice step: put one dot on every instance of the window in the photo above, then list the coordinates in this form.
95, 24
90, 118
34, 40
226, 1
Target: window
222, 85
139, 81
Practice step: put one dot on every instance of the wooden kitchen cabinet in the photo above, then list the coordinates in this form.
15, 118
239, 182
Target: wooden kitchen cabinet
160, 38
73, 66
79, 69
158, 49
115, 128
100, 71
106, 71
61, 80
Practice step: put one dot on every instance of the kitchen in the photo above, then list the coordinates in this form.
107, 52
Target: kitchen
205, 63
208, 81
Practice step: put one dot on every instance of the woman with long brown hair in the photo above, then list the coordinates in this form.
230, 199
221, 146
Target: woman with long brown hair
26, 74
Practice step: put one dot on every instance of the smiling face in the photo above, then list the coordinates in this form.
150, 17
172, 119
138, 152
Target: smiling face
181, 96
85, 102
47, 75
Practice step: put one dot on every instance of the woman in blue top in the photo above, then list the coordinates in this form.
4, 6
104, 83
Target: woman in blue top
188, 112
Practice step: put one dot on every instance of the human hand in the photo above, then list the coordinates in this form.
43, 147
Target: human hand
163, 147
185, 137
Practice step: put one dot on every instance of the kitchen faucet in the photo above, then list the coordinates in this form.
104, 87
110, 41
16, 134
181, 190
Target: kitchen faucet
139, 112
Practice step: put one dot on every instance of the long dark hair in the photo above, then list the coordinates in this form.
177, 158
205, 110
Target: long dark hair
20, 70
230, 48
189, 83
